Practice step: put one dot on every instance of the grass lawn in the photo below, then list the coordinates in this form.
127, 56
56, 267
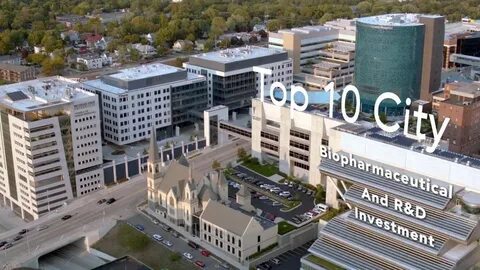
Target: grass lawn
266, 170
124, 240
285, 227
325, 264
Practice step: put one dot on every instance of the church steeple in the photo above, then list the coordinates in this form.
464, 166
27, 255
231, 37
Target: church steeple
153, 156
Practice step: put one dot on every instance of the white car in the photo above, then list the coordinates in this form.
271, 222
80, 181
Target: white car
285, 193
188, 255
285, 183
273, 189
157, 237
321, 207
309, 215
167, 243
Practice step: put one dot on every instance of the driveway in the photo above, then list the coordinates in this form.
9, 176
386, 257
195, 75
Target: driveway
266, 205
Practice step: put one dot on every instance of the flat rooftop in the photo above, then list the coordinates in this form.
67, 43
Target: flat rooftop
40, 93
140, 77
238, 54
408, 19
455, 28
144, 71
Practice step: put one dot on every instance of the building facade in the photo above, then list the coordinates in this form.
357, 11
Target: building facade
462, 106
305, 44
235, 233
410, 210
16, 73
394, 53
230, 77
136, 99
50, 145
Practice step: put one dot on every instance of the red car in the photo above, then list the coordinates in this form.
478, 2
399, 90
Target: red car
205, 253
200, 264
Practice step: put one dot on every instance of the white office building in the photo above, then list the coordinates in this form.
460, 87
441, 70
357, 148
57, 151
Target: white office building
230, 76
134, 99
50, 145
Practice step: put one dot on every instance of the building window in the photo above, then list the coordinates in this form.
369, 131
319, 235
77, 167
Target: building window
258, 239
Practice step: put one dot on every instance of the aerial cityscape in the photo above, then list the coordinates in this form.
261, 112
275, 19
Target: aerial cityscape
240, 134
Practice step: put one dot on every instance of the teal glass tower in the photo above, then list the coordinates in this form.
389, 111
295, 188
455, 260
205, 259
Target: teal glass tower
389, 56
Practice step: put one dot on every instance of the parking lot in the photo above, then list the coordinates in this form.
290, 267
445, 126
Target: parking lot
267, 205
178, 243
288, 260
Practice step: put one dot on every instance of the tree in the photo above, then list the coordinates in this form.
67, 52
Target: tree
52, 66
216, 165
36, 58
241, 153
218, 27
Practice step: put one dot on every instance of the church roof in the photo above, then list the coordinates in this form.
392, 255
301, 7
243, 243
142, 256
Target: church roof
225, 217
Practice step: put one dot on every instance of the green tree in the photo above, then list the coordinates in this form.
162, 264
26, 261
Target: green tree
218, 27
52, 66
36, 58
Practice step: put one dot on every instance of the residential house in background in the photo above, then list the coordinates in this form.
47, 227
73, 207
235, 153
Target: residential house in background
16, 73
14, 59
94, 61
145, 50
70, 35
182, 45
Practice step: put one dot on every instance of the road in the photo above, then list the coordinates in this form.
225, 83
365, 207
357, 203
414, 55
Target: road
84, 219
86, 214
179, 244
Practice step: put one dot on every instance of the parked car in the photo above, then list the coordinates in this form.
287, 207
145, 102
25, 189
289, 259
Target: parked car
275, 261
157, 237
139, 227
263, 197
17, 238
165, 227
167, 243
322, 207
3, 243
6, 246
296, 220
299, 188
225, 266
309, 193
101, 201
285, 183
200, 264
193, 244
111, 200
285, 193
275, 203
155, 221
66, 217
175, 234
188, 255
291, 184
205, 253
22, 232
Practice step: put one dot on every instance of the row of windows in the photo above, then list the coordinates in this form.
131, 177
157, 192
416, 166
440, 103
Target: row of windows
300, 135
299, 145
83, 119
269, 146
90, 177
86, 127
87, 144
300, 165
299, 156
94, 183
269, 136
87, 161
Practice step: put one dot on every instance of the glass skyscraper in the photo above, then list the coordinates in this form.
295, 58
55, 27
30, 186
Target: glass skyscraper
389, 57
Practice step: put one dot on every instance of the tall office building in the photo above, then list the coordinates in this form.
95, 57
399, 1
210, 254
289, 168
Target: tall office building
304, 44
50, 145
134, 99
397, 53
230, 76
